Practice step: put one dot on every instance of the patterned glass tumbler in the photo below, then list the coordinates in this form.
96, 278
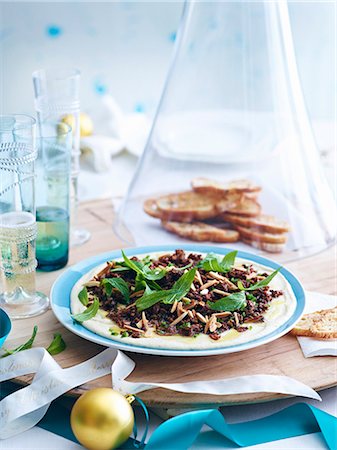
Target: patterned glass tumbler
57, 99
18, 228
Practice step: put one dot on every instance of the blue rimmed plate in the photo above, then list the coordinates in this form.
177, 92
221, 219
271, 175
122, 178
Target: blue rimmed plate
61, 292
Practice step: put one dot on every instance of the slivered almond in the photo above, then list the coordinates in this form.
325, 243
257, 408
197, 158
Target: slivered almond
193, 287
180, 308
145, 321
208, 284
217, 276
212, 323
230, 284
206, 327
92, 283
201, 317
204, 292
223, 314
179, 319
129, 306
129, 327
137, 294
218, 325
219, 291
139, 324
236, 318
174, 306
103, 271
198, 277
189, 312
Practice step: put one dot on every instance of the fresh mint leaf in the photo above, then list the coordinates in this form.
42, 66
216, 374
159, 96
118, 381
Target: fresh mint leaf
148, 300
57, 345
83, 296
119, 284
212, 263
232, 302
140, 283
120, 269
145, 271
136, 266
264, 282
240, 285
87, 314
153, 274
24, 346
228, 260
181, 287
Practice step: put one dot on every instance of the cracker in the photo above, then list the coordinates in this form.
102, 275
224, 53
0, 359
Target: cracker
261, 236
198, 231
205, 185
263, 222
320, 325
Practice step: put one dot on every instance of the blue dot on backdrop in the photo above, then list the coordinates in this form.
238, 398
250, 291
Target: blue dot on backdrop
172, 36
100, 88
54, 31
139, 108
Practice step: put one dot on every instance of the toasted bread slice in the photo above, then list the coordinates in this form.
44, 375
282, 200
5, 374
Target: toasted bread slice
247, 207
320, 325
207, 186
151, 208
265, 246
198, 231
190, 206
261, 236
263, 222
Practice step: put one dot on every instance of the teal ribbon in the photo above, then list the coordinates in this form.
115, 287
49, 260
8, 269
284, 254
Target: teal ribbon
295, 420
181, 431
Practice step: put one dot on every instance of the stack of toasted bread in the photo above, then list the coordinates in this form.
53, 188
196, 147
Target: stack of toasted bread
219, 212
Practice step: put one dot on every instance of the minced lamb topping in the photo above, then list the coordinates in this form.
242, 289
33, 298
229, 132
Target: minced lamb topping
180, 294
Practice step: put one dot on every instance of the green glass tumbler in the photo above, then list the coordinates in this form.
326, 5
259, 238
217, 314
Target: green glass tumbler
52, 195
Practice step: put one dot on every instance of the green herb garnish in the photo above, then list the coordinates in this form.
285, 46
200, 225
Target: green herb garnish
240, 285
180, 288
149, 275
124, 334
116, 283
230, 303
24, 346
87, 314
83, 296
57, 345
211, 262
264, 282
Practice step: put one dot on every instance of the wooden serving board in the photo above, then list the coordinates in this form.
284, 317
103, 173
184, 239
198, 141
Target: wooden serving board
281, 357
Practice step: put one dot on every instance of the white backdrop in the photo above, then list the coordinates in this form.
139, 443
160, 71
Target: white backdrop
124, 48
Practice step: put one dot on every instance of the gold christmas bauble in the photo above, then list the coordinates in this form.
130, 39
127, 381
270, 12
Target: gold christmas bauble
102, 419
86, 124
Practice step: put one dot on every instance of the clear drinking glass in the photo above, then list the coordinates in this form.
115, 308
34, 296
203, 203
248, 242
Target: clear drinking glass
57, 99
52, 195
17, 218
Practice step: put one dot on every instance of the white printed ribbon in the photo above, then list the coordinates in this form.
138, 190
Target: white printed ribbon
24, 408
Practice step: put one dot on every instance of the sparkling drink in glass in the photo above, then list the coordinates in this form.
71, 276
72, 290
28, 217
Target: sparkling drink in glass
57, 99
17, 218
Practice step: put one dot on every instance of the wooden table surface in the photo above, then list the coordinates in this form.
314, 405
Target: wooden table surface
317, 273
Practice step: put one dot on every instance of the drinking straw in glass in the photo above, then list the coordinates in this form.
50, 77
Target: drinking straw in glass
54, 142
18, 228
57, 99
